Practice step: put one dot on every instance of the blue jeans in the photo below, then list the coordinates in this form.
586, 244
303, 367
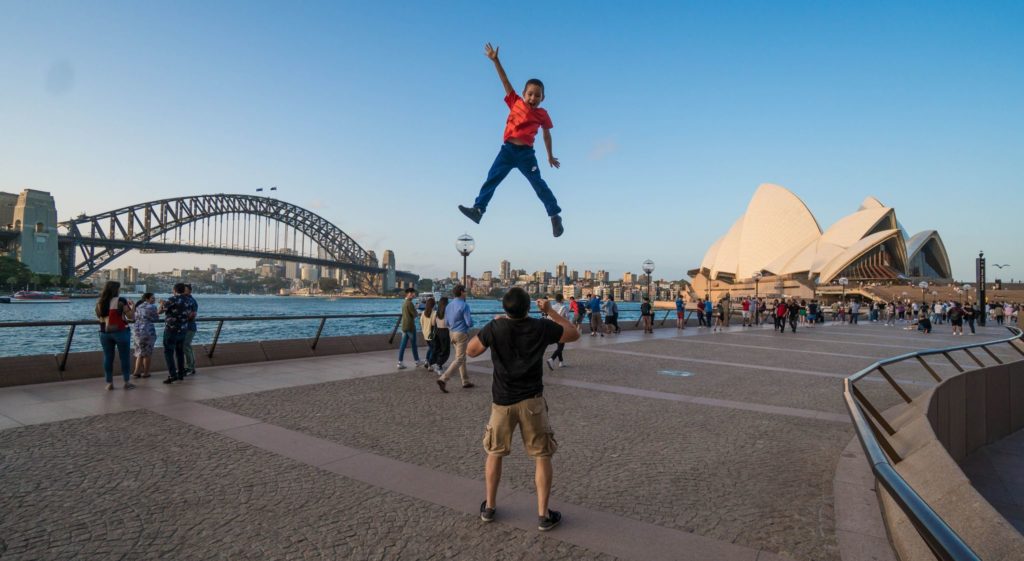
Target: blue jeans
122, 341
174, 348
190, 357
406, 337
523, 158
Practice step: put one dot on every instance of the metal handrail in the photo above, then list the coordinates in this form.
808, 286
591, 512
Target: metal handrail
943, 541
73, 324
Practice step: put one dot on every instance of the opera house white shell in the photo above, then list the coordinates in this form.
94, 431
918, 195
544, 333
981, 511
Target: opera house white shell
779, 236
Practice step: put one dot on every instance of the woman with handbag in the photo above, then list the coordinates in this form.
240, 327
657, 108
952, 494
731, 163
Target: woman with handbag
442, 341
114, 314
427, 327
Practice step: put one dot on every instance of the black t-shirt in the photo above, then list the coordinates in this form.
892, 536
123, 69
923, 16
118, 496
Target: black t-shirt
517, 350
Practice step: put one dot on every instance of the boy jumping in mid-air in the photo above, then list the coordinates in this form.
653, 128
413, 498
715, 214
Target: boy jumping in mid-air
524, 118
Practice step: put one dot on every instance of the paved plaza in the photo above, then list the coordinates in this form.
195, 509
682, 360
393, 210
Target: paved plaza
690, 446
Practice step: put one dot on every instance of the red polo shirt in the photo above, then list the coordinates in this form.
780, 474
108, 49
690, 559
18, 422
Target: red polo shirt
524, 120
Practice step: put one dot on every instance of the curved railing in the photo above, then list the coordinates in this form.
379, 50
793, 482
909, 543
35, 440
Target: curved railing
872, 430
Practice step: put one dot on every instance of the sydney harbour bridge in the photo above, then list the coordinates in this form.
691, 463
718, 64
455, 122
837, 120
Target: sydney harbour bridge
219, 224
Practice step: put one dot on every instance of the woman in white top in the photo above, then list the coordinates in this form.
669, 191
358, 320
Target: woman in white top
427, 327
560, 308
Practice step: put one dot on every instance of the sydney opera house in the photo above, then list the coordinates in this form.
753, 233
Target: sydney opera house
779, 242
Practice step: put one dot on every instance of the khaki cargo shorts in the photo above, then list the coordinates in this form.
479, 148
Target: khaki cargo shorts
532, 417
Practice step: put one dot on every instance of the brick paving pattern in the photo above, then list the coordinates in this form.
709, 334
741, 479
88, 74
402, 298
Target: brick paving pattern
137, 485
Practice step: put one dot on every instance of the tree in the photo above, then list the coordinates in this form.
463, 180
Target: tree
328, 284
13, 269
425, 285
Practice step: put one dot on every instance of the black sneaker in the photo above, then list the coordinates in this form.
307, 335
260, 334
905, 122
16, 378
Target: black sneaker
472, 213
486, 514
556, 225
548, 522
170, 380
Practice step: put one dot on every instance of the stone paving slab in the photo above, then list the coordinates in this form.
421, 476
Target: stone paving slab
137, 485
665, 463
715, 381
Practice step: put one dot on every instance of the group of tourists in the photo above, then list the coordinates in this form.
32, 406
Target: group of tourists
444, 324
122, 321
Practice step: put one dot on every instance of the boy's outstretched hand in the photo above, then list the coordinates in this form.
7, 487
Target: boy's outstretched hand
491, 52
553, 161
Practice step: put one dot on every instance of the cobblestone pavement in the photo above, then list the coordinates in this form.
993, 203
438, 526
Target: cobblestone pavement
757, 480
137, 485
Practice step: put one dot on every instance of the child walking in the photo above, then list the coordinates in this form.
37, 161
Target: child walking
524, 118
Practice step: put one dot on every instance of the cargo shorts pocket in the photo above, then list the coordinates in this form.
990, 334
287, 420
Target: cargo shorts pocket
494, 443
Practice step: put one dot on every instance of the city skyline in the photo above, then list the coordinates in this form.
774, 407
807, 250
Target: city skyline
664, 127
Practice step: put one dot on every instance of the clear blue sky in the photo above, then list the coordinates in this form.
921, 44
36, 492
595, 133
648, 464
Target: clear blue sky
384, 116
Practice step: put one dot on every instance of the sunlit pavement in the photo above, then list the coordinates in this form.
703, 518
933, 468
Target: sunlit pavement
676, 445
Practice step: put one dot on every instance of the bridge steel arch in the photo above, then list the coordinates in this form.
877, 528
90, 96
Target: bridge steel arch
100, 239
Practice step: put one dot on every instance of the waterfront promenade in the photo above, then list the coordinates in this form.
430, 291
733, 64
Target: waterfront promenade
695, 447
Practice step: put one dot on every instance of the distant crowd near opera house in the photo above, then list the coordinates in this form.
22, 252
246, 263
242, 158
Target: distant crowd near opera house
779, 244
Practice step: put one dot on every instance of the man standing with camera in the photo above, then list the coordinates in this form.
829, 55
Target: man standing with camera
517, 343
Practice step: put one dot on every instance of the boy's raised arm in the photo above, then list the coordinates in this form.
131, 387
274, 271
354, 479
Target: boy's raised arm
492, 53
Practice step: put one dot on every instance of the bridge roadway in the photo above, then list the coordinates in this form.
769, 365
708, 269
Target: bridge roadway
687, 446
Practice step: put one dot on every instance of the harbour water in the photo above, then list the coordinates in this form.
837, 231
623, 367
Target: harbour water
50, 340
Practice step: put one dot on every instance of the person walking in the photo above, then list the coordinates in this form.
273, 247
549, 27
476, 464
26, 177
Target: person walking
647, 315
611, 314
560, 308
726, 305
176, 315
680, 312
708, 311
190, 332
595, 315
144, 333
442, 339
781, 311
460, 321
700, 314
114, 314
408, 329
719, 316
956, 319
854, 312
517, 343
745, 311
969, 316
579, 312
793, 309
427, 328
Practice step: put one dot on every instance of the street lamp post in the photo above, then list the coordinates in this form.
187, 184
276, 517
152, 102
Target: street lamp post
465, 244
967, 293
924, 286
843, 281
648, 267
757, 281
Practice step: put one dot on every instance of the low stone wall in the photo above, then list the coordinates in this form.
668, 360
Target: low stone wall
37, 369
938, 430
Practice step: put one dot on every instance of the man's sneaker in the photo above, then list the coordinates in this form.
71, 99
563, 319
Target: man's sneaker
472, 213
441, 384
556, 226
486, 514
400, 366
548, 522
562, 364
170, 380
129, 386
551, 364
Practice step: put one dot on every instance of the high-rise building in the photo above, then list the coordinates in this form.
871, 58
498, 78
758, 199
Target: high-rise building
454, 275
505, 271
628, 278
602, 276
588, 275
574, 276
561, 272
487, 276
